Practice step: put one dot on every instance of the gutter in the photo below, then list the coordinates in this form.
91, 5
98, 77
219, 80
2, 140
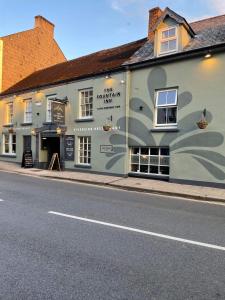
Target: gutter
177, 57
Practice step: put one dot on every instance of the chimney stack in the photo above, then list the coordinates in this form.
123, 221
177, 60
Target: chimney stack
45, 25
154, 14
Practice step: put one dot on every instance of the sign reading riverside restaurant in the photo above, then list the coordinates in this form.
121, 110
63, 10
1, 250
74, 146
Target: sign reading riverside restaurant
69, 147
58, 112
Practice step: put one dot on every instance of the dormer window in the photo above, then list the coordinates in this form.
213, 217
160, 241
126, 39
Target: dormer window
168, 40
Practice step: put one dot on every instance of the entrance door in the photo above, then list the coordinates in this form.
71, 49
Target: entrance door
26, 142
53, 146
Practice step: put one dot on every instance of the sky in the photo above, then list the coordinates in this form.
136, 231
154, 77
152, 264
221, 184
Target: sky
86, 26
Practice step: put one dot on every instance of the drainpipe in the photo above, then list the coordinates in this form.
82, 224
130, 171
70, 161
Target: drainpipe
127, 113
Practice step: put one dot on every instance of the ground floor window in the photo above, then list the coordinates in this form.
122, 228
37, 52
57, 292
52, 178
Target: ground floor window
84, 153
9, 143
150, 160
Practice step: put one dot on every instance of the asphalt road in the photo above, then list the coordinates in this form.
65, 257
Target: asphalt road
60, 240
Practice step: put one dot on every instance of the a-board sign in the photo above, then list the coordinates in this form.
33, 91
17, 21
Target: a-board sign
69, 147
54, 162
27, 161
58, 113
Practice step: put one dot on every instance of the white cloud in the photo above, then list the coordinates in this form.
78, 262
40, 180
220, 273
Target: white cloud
128, 6
217, 5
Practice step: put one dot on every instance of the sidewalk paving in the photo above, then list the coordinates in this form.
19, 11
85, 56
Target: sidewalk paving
130, 183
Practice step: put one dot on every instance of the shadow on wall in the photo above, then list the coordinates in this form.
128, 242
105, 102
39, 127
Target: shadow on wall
139, 133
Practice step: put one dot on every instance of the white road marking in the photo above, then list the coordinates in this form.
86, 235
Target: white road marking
168, 237
1, 200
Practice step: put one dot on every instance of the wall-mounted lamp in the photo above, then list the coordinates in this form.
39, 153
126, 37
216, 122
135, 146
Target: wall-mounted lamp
122, 81
208, 55
58, 130
33, 132
108, 76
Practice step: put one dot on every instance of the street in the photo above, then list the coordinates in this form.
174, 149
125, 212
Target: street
62, 240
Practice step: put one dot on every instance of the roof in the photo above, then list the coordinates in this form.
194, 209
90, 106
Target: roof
208, 32
179, 19
89, 65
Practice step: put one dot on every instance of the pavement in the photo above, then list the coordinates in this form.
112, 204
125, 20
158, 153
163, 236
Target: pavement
130, 183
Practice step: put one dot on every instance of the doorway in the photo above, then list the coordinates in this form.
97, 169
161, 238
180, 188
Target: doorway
26, 143
51, 145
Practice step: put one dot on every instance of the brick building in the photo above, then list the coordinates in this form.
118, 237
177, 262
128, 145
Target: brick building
28, 51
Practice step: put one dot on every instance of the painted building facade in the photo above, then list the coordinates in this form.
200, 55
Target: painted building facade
151, 108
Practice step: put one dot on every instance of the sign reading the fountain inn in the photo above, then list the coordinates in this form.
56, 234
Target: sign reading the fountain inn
107, 98
108, 95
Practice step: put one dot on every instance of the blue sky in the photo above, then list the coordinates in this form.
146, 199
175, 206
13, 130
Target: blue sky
86, 26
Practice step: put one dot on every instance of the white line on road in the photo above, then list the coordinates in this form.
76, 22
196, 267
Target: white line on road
168, 237
1, 200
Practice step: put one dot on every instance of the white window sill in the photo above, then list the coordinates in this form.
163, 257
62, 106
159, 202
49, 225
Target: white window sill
9, 154
167, 53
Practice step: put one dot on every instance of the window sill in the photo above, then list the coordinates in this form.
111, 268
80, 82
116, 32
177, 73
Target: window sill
8, 125
84, 120
48, 123
8, 155
150, 176
26, 124
82, 166
164, 129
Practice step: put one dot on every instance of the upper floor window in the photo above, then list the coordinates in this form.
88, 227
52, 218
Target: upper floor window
166, 108
168, 40
86, 103
49, 108
28, 111
10, 113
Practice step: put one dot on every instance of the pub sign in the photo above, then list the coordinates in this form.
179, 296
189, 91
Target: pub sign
58, 113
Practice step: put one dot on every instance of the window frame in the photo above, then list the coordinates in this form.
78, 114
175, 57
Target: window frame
10, 113
49, 99
90, 116
28, 111
10, 144
87, 149
166, 125
150, 164
161, 40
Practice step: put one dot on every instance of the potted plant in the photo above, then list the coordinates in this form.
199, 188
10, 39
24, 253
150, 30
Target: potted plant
202, 124
107, 127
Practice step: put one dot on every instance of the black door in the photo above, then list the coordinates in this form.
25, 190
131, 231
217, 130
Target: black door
26, 142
